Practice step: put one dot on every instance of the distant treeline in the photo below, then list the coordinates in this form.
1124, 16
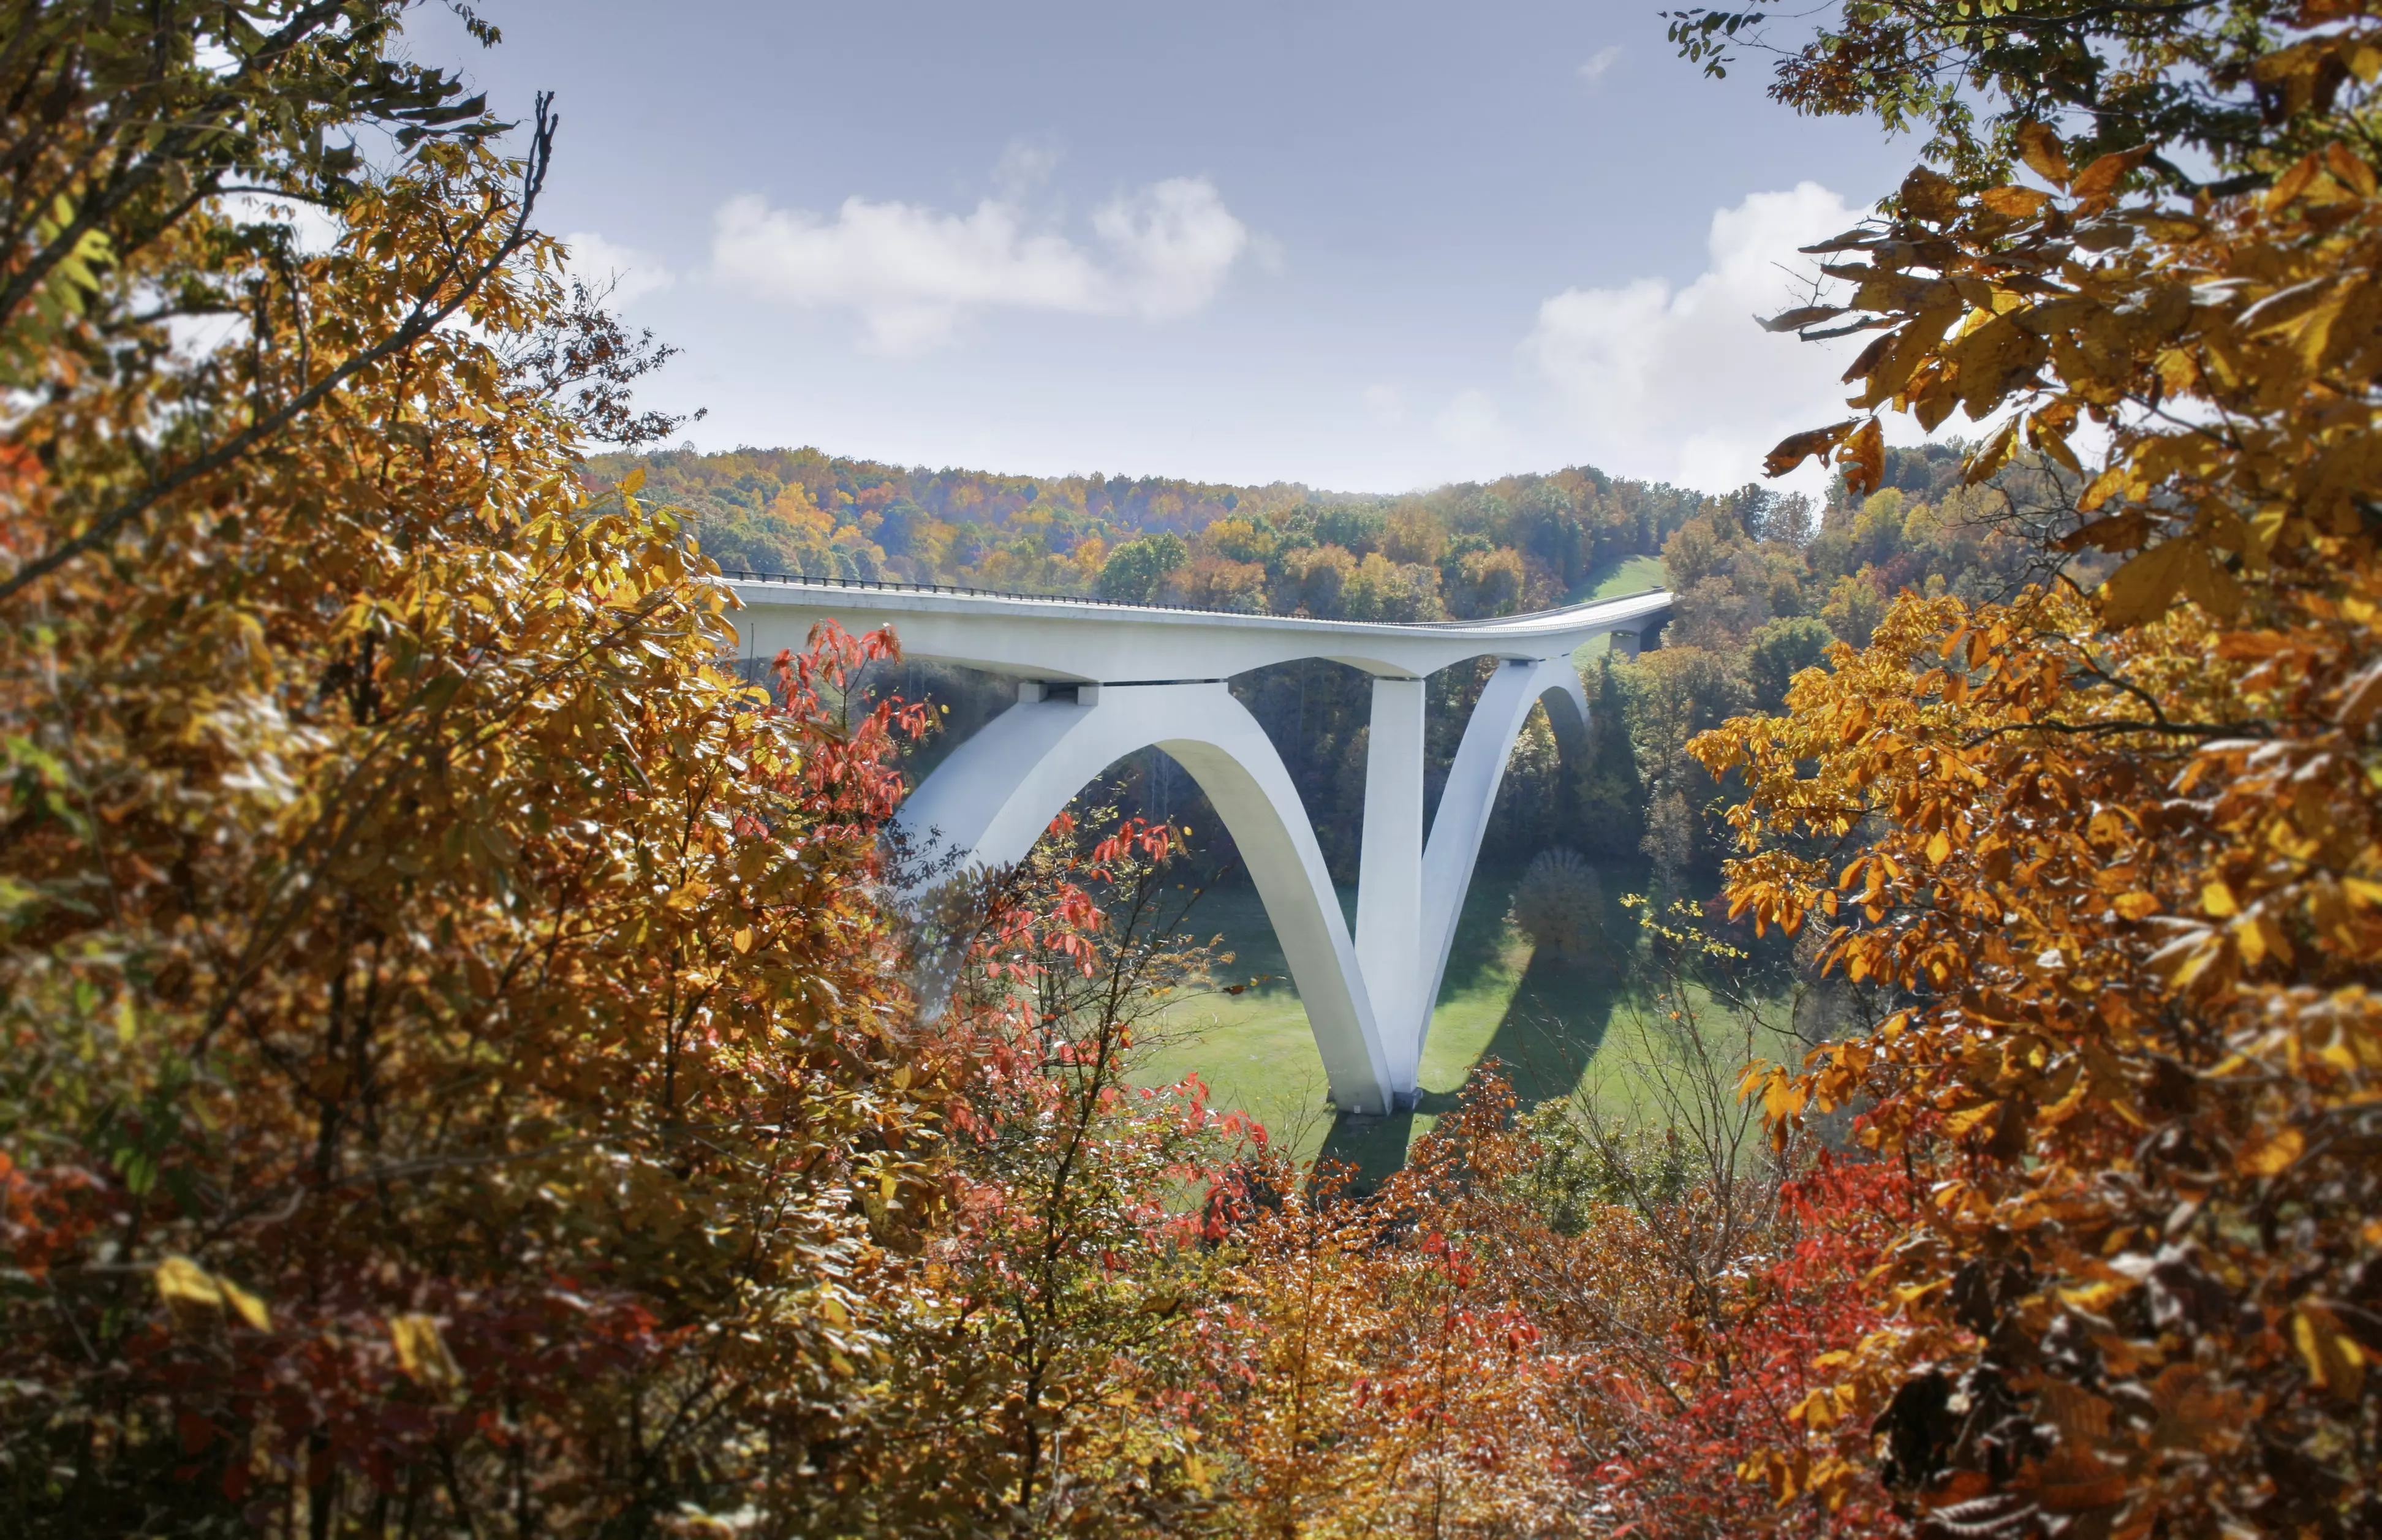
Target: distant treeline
1463, 551
1766, 583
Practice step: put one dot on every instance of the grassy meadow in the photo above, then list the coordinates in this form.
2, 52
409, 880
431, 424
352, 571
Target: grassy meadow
1543, 1024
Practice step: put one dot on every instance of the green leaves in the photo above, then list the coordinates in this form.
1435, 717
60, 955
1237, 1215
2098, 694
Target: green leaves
1702, 35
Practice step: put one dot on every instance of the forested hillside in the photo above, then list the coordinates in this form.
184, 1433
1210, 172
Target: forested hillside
472, 1063
1522, 543
1766, 583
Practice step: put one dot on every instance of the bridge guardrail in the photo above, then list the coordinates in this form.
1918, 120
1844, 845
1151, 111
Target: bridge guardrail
885, 586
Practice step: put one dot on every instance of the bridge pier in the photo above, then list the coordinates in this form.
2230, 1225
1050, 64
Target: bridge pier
1389, 877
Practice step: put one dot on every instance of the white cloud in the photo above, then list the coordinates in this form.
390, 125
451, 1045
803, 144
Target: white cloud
1470, 422
596, 263
312, 231
1176, 241
1599, 62
1680, 384
913, 273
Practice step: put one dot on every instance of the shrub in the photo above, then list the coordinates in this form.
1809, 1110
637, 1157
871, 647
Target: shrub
1559, 906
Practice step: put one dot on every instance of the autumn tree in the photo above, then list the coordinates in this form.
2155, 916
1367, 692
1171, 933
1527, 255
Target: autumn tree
1042, 1375
1509, 1337
2115, 851
453, 1070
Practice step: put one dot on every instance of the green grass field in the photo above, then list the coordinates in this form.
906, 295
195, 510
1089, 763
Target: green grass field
1256, 1054
1630, 575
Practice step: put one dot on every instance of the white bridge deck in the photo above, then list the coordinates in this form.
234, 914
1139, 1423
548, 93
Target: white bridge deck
1100, 682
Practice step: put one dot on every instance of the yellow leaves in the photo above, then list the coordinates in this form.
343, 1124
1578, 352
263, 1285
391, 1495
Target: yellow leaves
2203, 894
1782, 1094
1863, 458
2100, 179
2178, 372
194, 1293
1969, 1119
1926, 195
2259, 938
2335, 1361
1825, 1406
2358, 51
2291, 80
422, 1353
2274, 1153
1794, 450
1852, 721
2094, 1298
1914, 345
2019, 203
2303, 316
2345, 166
1793, 1474
2184, 960
74, 273
2040, 148
2102, 487
1992, 456
2150, 582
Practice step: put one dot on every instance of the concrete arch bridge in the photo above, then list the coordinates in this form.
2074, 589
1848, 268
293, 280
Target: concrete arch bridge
1096, 683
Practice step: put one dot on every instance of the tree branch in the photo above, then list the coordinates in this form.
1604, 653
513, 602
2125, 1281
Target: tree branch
424, 319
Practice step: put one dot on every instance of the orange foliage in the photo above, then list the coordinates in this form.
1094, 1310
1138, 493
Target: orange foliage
2118, 858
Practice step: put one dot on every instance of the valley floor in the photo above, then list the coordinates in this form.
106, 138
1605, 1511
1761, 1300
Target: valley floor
1545, 1024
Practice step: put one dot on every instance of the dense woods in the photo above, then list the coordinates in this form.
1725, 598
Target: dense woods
468, 1072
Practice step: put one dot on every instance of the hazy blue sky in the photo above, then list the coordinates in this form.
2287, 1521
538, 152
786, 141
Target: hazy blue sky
1364, 246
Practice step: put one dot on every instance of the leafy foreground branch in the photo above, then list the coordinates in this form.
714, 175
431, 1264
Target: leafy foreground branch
2116, 856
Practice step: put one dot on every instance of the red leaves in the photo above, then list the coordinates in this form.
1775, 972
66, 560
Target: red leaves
848, 778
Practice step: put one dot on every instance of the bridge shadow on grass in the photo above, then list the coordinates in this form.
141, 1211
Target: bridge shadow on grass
1551, 1030
1554, 1027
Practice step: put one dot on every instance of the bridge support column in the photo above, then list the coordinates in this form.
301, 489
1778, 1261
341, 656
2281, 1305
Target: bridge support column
1389, 879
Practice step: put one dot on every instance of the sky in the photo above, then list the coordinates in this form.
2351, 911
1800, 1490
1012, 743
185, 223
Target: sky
1367, 247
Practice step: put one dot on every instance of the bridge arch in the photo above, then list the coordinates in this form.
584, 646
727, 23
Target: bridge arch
996, 794
1470, 796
